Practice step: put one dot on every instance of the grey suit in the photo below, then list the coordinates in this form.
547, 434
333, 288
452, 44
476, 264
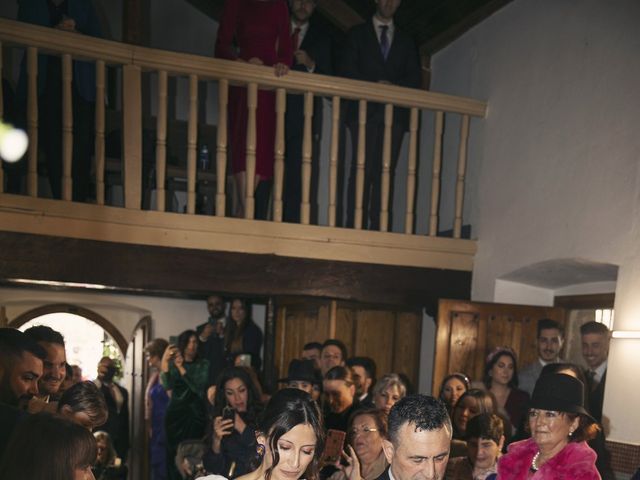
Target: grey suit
528, 376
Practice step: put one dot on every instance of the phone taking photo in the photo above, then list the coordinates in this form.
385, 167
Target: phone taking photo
333, 447
229, 413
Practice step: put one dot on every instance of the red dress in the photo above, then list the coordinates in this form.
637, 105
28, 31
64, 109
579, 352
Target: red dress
254, 28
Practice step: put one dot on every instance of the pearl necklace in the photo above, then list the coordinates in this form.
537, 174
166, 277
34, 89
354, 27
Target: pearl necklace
534, 462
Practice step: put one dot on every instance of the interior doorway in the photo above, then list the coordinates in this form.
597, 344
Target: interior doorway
86, 338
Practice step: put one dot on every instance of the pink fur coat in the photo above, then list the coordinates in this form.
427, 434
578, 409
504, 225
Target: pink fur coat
576, 461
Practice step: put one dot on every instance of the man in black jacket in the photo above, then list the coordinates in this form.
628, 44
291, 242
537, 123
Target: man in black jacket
377, 51
312, 45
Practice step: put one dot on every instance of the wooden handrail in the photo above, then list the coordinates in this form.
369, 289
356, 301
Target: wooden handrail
51, 40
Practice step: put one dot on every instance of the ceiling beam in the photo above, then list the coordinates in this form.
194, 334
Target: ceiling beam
339, 13
456, 30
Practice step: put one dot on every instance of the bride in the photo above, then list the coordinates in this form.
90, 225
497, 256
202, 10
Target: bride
289, 438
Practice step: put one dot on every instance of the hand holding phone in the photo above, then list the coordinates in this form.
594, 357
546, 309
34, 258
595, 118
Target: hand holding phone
333, 447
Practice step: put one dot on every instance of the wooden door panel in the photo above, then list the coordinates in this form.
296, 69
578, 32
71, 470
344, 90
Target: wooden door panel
345, 327
468, 331
406, 345
374, 337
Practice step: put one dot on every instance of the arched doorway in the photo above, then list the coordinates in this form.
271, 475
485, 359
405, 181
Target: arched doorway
88, 335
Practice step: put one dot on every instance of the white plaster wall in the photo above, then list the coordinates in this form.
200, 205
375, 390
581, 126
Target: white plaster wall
555, 163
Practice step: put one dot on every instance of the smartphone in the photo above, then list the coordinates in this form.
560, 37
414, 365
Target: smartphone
243, 360
333, 447
173, 340
229, 413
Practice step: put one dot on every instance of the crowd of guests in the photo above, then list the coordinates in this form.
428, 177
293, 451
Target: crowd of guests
208, 412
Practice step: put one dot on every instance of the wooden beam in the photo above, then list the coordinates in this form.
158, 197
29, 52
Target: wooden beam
585, 302
28, 260
339, 13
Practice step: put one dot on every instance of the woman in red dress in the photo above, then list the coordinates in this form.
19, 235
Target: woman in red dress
257, 32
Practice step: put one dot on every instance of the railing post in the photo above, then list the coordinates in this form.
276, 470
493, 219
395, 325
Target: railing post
250, 169
161, 142
132, 136
221, 153
192, 140
462, 166
333, 162
278, 170
362, 141
411, 171
32, 120
67, 128
99, 140
435, 176
386, 169
305, 206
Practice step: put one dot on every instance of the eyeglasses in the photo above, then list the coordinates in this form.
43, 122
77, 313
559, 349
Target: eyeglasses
356, 431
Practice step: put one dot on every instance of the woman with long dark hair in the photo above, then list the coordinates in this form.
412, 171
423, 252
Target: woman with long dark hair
501, 379
186, 376
48, 447
289, 439
233, 439
242, 335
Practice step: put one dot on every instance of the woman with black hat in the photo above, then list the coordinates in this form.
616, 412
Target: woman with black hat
560, 427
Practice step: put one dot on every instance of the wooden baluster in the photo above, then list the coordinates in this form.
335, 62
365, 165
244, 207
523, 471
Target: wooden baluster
411, 172
333, 161
250, 173
221, 152
362, 132
1, 116
435, 178
32, 120
386, 169
132, 135
161, 142
307, 144
278, 172
192, 144
462, 166
67, 128
100, 126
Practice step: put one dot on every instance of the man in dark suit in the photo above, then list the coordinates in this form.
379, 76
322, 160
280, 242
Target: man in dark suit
312, 43
211, 336
117, 398
377, 51
419, 428
595, 350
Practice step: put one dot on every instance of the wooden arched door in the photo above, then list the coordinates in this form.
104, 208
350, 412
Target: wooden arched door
135, 379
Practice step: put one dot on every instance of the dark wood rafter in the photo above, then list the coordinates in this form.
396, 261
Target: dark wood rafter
585, 302
39, 259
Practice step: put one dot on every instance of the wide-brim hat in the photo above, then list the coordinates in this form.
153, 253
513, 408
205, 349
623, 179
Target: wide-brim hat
302, 371
559, 392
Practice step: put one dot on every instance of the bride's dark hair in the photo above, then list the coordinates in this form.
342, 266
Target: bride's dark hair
286, 409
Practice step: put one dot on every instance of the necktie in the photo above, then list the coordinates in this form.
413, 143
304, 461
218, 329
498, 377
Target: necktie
384, 40
295, 38
591, 376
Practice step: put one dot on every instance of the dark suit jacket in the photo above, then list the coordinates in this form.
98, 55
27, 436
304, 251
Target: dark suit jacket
87, 23
363, 60
9, 419
596, 398
117, 424
212, 350
318, 44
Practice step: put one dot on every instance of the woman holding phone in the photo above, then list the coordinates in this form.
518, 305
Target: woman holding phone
186, 376
233, 439
289, 439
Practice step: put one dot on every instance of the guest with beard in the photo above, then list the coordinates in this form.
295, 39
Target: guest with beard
55, 364
117, 398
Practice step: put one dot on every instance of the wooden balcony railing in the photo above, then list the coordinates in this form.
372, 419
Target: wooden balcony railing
134, 61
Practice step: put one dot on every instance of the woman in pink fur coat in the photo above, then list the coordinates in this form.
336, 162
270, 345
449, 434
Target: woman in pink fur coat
560, 427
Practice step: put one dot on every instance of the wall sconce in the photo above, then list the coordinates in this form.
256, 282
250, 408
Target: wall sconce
626, 334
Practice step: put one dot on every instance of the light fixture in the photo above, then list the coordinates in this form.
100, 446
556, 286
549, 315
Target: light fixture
13, 142
626, 334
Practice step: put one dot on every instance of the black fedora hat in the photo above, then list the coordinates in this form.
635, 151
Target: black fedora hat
302, 371
559, 392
